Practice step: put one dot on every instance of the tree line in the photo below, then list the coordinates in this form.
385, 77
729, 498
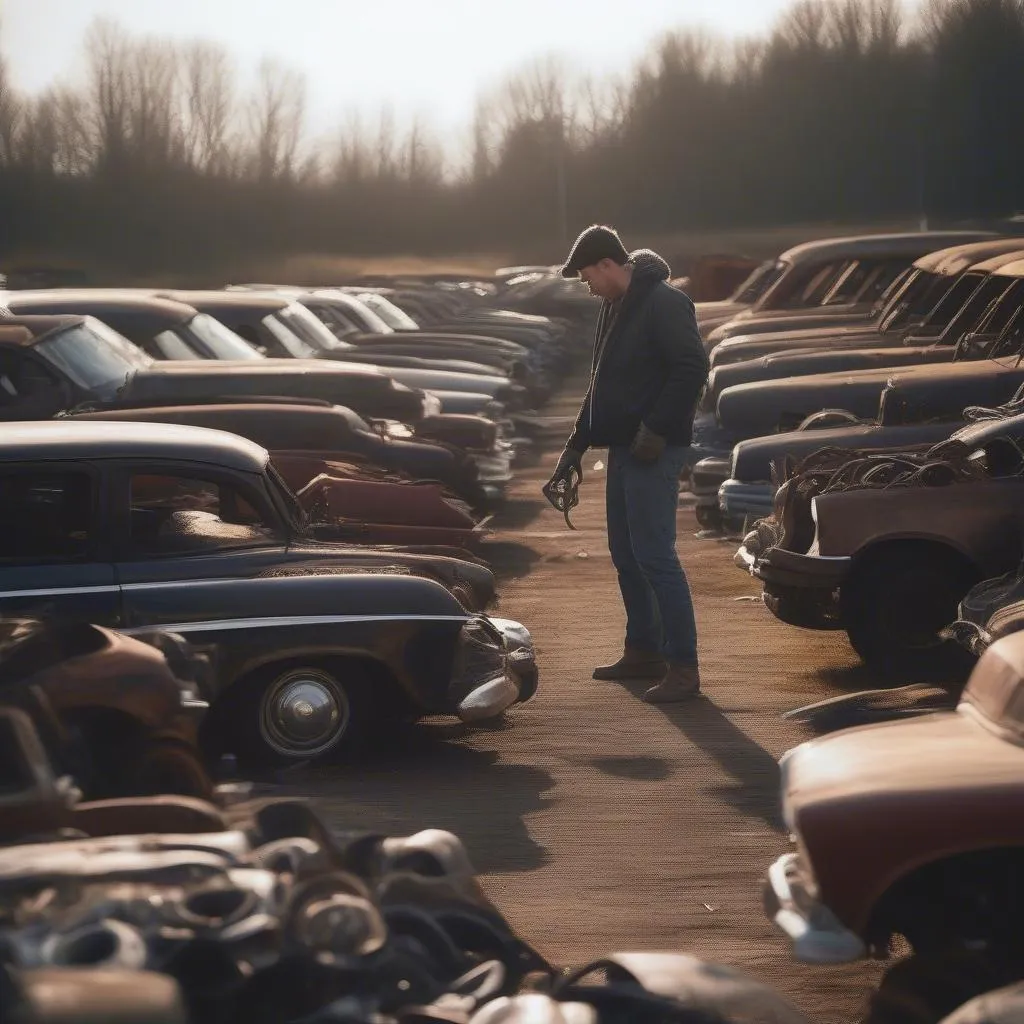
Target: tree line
847, 111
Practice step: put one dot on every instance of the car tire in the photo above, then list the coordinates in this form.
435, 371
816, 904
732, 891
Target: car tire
301, 712
893, 607
925, 988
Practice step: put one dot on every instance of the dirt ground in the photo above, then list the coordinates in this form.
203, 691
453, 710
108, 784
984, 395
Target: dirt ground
600, 823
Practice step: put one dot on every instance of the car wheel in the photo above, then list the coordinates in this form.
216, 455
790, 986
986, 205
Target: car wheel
894, 607
923, 989
300, 713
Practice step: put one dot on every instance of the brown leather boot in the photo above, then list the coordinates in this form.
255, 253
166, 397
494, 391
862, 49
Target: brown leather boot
680, 683
633, 664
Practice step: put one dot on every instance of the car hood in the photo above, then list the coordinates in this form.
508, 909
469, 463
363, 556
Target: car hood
801, 363
752, 458
761, 407
797, 320
721, 310
750, 346
900, 758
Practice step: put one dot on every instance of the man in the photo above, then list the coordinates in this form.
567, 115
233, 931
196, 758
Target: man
648, 372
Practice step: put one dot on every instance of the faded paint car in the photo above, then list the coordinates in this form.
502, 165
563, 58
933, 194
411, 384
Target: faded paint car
833, 276
912, 828
911, 307
762, 407
886, 546
340, 435
143, 525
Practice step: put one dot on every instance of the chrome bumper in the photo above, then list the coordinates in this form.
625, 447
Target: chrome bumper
517, 682
817, 935
739, 500
489, 700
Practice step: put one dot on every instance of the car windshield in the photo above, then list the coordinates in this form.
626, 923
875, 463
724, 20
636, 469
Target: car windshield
1006, 310
296, 513
361, 313
171, 345
978, 307
220, 340
306, 326
394, 317
951, 303
287, 338
86, 355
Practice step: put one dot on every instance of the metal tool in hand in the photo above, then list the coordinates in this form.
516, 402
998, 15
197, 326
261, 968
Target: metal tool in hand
564, 492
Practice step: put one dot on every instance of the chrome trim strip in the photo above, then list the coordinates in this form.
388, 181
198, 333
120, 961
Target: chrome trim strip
290, 620
59, 591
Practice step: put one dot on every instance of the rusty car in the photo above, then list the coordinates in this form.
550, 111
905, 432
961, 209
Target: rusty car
143, 525
910, 312
886, 545
763, 407
834, 277
913, 829
121, 713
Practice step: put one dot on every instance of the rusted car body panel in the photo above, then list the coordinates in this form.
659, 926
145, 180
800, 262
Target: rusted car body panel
868, 807
110, 704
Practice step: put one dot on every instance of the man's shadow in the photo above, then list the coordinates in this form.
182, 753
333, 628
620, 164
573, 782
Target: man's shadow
755, 789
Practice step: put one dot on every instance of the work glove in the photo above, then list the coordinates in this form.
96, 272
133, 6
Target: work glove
569, 460
562, 490
647, 446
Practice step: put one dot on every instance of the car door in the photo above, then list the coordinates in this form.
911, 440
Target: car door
55, 557
185, 523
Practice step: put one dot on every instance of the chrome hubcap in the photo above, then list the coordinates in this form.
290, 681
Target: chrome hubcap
304, 713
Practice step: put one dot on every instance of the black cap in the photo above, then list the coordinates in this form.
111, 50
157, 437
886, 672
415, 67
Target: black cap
594, 244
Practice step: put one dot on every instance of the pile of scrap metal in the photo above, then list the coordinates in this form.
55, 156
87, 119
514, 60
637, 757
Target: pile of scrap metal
231, 909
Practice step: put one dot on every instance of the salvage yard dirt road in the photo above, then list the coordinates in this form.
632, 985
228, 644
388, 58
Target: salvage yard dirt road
600, 823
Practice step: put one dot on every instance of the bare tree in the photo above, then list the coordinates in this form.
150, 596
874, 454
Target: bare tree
108, 53
153, 123
9, 115
276, 115
208, 101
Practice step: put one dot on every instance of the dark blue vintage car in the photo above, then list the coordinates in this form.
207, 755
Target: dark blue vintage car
135, 525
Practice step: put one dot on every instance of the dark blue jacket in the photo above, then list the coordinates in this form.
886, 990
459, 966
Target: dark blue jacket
651, 367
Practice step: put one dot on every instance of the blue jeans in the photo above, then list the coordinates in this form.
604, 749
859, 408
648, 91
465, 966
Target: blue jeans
642, 499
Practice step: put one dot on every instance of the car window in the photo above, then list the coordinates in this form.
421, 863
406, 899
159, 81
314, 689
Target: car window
951, 303
287, 338
46, 516
175, 514
170, 346
219, 340
1006, 309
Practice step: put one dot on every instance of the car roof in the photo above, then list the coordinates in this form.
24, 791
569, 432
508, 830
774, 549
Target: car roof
64, 440
1014, 269
958, 258
909, 243
210, 300
98, 302
38, 326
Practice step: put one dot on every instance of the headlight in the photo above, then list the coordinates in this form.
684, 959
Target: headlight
431, 404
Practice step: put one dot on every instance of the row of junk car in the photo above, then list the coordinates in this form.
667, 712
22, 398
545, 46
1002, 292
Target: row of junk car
243, 527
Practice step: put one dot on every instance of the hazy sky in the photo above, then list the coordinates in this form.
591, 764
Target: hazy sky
421, 56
